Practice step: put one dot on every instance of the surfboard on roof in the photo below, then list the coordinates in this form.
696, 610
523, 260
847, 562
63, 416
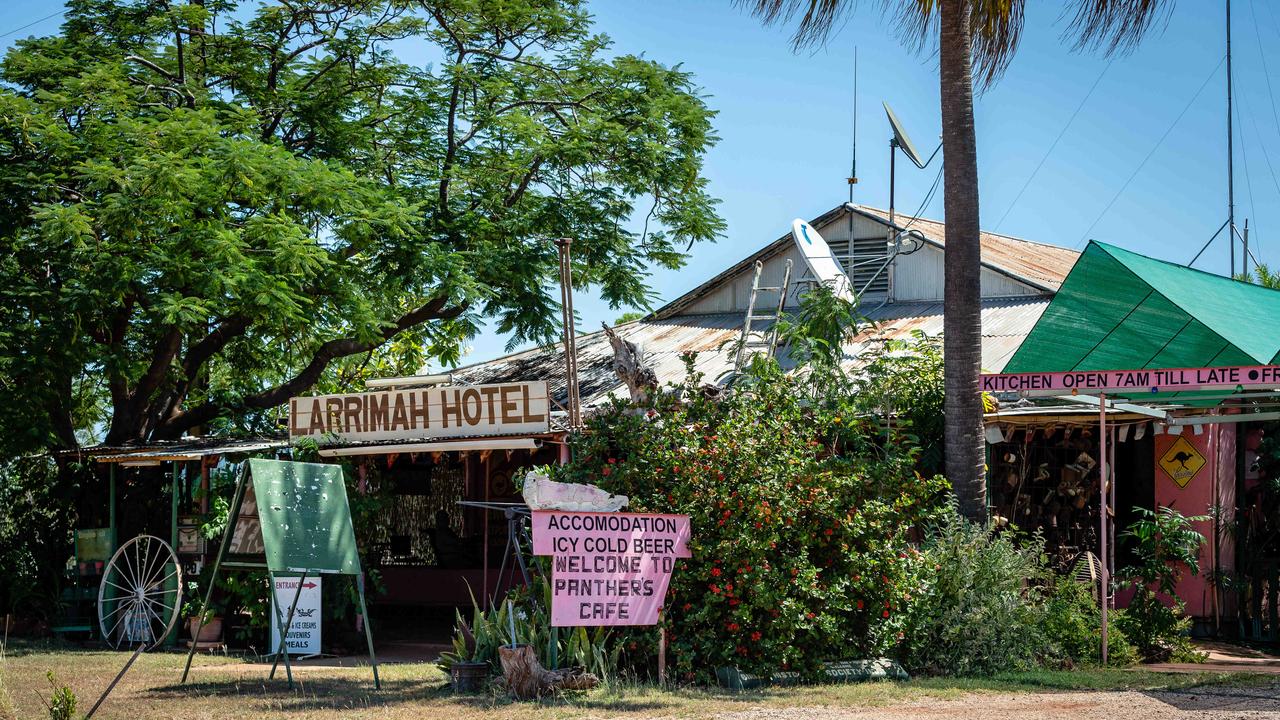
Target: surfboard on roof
822, 263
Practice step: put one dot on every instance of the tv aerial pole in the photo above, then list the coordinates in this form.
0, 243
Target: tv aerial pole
1231, 185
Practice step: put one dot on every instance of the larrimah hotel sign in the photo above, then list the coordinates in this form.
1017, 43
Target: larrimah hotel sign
429, 413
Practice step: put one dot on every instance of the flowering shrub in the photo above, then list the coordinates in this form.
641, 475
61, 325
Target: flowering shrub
802, 514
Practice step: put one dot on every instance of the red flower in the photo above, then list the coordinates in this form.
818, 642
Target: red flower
809, 615
859, 604
734, 601
886, 613
687, 607
742, 651
613, 461
606, 471
733, 627
714, 588
756, 636
715, 572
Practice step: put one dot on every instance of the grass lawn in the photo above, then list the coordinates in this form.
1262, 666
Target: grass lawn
224, 688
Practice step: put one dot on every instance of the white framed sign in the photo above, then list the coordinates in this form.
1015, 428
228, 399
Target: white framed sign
304, 630
517, 408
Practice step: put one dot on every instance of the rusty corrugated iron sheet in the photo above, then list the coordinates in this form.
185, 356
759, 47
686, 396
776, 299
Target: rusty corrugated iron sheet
1005, 323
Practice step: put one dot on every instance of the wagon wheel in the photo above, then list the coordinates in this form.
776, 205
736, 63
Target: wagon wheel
140, 594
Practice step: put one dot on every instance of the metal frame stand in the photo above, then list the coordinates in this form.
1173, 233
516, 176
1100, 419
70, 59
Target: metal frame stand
283, 624
237, 501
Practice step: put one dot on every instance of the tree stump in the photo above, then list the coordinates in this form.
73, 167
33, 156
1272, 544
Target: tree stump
628, 362
526, 679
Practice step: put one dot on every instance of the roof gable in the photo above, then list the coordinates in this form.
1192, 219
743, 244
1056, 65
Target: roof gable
1037, 265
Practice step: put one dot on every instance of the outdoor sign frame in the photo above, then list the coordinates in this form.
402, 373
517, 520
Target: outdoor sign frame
640, 553
334, 558
1133, 383
423, 413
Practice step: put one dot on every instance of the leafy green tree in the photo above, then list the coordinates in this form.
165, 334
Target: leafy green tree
629, 316
206, 208
1261, 275
971, 38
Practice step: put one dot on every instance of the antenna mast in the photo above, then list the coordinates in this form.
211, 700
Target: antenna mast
853, 164
1231, 186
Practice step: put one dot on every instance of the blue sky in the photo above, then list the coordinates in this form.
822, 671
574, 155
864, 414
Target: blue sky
1142, 165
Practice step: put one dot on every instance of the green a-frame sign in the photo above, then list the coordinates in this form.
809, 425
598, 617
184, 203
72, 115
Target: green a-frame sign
305, 530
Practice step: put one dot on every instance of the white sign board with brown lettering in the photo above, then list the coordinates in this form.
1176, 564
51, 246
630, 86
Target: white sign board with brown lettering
519, 408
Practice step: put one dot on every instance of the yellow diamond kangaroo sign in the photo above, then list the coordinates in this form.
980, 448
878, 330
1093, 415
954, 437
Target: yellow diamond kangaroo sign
1181, 461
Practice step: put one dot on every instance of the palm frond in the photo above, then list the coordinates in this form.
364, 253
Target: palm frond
995, 29
995, 26
817, 17
1115, 25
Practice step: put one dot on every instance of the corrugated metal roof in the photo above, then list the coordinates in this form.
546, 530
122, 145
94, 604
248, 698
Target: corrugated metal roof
178, 450
1037, 264
1005, 323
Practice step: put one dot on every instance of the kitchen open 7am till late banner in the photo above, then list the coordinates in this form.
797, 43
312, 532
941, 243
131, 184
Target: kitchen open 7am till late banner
609, 568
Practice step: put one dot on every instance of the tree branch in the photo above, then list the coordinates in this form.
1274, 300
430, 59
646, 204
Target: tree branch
154, 67
178, 423
519, 190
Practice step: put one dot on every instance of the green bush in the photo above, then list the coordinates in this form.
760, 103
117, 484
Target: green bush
1073, 628
802, 517
61, 704
1159, 633
1164, 544
36, 521
980, 608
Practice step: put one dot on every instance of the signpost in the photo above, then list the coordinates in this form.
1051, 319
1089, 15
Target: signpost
1156, 380
303, 526
517, 408
609, 568
303, 637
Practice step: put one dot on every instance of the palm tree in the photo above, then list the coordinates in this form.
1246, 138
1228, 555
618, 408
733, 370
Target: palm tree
973, 36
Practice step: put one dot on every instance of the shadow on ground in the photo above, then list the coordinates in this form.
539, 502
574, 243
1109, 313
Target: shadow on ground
309, 695
1218, 698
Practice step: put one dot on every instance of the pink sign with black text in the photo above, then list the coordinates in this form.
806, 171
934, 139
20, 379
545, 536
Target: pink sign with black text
609, 568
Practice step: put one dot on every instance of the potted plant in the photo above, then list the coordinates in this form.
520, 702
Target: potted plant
210, 627
475, 646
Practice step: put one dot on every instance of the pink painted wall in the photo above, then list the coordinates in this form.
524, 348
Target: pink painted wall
1212, 484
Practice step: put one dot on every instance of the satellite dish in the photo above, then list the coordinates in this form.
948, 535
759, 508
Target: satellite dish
820, 260
901, 140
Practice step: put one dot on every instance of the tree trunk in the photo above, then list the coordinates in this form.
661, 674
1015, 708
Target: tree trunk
962, 318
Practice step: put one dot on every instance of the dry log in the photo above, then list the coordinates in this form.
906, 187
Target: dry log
526, 679
628, 362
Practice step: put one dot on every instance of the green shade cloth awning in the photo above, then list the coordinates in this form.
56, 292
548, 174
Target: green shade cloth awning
1119, 310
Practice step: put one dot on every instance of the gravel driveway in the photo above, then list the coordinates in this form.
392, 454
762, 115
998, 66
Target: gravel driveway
1209, 703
